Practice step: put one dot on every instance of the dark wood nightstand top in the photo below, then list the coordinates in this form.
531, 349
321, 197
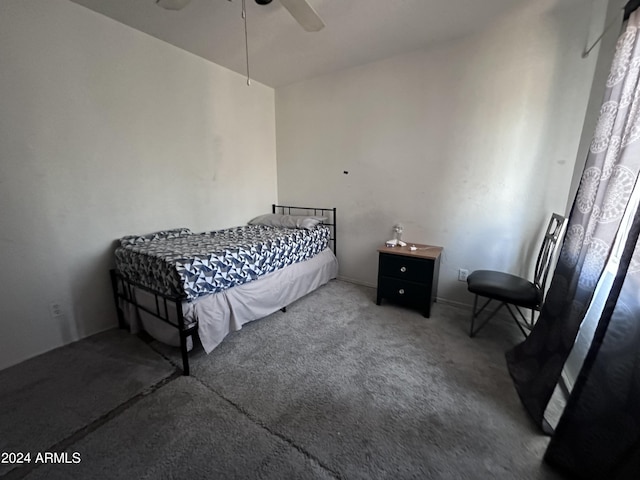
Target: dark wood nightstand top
423, 251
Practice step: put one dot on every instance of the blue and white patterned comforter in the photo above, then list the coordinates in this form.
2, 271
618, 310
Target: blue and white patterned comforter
179, 262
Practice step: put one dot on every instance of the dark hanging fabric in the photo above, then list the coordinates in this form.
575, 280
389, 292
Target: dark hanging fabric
610, 171
598, 435
535, 365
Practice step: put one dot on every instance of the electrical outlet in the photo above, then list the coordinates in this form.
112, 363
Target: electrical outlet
463, 273
55, 309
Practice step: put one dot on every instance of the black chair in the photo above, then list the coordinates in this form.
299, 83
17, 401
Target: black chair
513, 291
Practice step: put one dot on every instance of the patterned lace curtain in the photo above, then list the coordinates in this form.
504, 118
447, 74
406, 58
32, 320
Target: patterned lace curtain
598, 434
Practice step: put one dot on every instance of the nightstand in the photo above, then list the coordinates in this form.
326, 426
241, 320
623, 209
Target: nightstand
409, 277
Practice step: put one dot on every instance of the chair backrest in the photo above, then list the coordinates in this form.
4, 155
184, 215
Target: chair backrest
548, 250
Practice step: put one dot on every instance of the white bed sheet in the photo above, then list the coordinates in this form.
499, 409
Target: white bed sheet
227, 311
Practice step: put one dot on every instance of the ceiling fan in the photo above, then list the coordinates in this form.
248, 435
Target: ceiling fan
300, 10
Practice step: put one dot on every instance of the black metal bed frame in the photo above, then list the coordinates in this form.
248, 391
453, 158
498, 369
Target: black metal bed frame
317, 212
123, 288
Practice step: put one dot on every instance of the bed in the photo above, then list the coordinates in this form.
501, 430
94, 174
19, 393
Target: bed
177, 284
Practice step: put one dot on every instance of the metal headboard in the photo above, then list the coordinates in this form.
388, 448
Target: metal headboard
329, 213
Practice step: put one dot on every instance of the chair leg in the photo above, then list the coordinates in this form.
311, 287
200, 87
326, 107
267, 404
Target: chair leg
515, 318
473, 316
476, 314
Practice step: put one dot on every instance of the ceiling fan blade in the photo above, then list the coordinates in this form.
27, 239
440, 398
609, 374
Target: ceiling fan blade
304, 14
173, 4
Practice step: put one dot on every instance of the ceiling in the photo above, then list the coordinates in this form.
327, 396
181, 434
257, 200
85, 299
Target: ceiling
281, 52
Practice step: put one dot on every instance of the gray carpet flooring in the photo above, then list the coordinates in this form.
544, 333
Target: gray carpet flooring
334, 388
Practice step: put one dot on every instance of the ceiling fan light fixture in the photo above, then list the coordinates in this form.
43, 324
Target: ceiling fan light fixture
172, 4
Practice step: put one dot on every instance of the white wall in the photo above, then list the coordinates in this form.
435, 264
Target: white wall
105, 131
471, 145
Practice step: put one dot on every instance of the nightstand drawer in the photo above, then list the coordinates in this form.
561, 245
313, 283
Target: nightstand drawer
404, 291
409, 275
413, 269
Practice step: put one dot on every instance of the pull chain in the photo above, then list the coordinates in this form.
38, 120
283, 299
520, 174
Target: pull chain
246, 39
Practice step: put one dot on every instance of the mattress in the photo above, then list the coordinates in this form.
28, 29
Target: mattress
179, 262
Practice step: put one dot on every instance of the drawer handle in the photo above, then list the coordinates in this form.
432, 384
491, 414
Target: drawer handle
403, 269
401, 291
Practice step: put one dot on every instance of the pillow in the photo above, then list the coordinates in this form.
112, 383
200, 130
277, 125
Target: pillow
309, 222
287, 221
136, 239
